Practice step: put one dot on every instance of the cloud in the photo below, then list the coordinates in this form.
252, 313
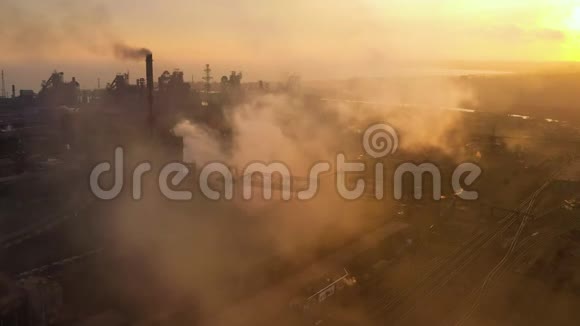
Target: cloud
515, 33
551, 34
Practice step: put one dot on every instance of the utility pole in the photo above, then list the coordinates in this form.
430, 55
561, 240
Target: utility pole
207, 78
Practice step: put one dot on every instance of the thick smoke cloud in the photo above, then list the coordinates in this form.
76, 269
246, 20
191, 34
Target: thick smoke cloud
283, 128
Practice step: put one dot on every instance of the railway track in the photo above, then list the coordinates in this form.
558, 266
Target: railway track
527, 246
47, 224
507, 261
398, 307
502, 265
50, 268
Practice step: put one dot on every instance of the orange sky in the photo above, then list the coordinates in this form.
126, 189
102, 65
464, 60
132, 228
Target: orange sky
271, 38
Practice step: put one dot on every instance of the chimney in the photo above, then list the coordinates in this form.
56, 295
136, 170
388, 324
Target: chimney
13, 91
149, 75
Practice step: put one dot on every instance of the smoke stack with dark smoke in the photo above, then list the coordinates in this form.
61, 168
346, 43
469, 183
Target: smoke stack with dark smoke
125, 52
149, 74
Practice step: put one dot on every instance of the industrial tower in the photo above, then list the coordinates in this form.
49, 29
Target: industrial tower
207, 78
3, 91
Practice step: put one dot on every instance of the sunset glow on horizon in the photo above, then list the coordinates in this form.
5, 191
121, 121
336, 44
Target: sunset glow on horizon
311, 37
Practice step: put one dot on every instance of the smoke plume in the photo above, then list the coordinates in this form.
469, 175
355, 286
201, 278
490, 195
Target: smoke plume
28, 31
125, 52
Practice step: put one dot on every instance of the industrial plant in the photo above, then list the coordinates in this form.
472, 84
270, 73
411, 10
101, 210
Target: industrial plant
481, 227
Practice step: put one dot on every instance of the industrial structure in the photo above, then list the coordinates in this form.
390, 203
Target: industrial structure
50, 141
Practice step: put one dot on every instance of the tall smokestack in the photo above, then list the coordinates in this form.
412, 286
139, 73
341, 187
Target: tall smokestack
13, 91
149, 74
3, 90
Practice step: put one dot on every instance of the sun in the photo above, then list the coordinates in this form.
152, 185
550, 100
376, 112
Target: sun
573, 22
